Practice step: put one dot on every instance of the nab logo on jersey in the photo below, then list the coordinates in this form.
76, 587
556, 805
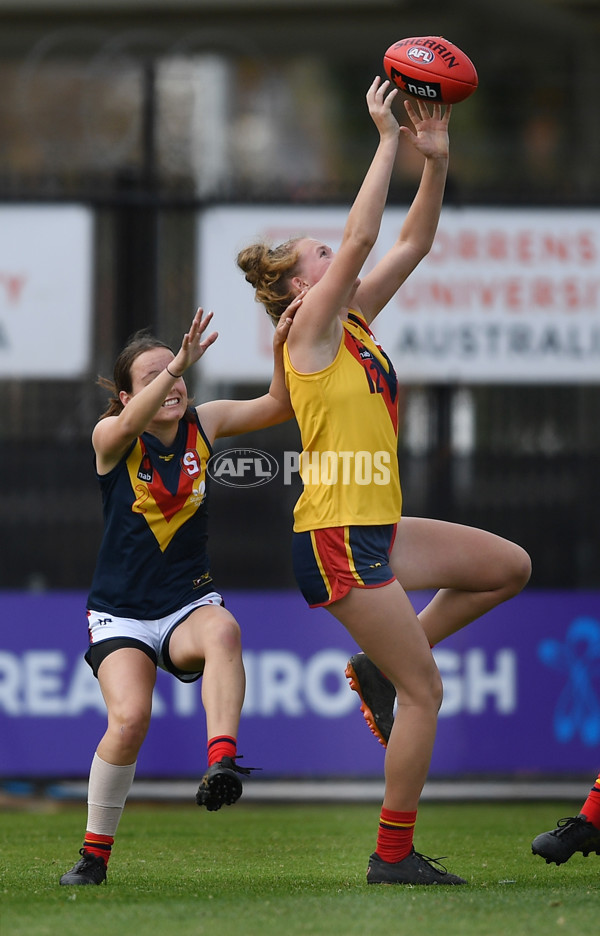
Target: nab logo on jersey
190, 463
145, 471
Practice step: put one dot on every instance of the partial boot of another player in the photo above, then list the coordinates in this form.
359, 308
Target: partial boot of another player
573, 834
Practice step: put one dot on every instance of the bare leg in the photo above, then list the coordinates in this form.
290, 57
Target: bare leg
210, 639
126, 678
384, 624
473, 570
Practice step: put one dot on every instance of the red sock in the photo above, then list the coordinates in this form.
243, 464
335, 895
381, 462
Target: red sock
219, 747
591, 807
395, 835
99, 845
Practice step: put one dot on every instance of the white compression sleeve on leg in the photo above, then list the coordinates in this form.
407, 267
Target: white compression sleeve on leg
108, 787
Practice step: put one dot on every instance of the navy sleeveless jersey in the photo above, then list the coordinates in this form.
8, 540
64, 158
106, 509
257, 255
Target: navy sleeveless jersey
153, 557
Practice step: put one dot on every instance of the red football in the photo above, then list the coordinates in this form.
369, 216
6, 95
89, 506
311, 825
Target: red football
431, 68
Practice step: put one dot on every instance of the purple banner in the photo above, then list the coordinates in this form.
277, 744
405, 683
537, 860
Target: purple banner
522, 693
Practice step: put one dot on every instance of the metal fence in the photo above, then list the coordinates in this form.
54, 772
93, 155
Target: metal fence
133, 125
530, 473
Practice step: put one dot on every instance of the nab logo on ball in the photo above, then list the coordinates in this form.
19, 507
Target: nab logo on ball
245, 468
415, 88
431, 68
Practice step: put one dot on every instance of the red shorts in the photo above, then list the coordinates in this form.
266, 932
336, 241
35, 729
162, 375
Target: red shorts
328, 563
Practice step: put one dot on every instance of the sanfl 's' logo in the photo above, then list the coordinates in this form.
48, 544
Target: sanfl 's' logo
190, 463
578, 708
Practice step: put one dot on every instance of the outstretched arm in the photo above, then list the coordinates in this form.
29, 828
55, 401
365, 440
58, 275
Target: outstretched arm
318, 317
233, 417
113, 435
430, 137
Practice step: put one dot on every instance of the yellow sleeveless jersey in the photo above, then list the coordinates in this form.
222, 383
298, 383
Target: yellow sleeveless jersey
348, 419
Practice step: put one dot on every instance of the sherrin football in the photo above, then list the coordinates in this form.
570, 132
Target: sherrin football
431, 68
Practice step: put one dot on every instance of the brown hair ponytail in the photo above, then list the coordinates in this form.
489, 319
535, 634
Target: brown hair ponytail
269, 271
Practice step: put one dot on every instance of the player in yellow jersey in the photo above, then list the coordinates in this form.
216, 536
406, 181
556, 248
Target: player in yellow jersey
352, 552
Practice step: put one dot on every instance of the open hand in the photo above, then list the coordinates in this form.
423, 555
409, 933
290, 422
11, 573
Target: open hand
193, 345
430, 134
379, 102
285, 321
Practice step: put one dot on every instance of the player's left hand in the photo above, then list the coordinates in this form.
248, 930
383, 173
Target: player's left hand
193, 345
430, 135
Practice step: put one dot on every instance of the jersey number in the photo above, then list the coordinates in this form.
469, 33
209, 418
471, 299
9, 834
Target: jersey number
142, 496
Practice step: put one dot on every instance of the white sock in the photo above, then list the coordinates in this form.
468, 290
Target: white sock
108, 787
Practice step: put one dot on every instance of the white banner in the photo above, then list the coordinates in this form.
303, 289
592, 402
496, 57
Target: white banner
45, 290
505, 295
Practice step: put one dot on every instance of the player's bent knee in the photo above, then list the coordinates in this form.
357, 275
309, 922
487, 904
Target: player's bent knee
226, 632
437, 692
130, 731
520, 571
424, 690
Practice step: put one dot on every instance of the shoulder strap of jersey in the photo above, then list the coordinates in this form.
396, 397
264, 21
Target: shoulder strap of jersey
357, 318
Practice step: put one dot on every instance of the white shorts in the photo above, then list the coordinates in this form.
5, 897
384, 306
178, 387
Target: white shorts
150, 636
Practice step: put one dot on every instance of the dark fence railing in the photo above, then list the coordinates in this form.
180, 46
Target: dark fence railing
530, 473
51, 517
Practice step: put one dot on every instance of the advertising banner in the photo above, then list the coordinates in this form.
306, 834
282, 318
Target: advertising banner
522, 693
45, 290
504, 296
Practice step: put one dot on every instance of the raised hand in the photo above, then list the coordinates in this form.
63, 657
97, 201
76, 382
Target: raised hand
193, 345
379, 102
285, 321
430, 135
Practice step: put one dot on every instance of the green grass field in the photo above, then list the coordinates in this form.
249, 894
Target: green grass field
292, 869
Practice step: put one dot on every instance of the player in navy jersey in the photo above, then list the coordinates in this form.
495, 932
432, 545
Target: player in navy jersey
152, 602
